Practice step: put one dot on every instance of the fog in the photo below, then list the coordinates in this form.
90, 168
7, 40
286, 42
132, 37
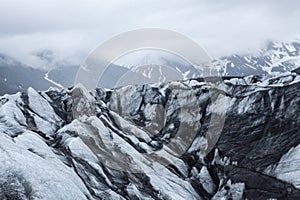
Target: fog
71, 29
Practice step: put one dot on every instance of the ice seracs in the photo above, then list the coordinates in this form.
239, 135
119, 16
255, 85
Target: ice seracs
79, 144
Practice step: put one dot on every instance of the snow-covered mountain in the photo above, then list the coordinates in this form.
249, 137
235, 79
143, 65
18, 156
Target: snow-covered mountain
75, 144
277, 57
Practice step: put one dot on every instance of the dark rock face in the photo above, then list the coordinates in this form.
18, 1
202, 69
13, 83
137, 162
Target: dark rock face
297, 71
51, 148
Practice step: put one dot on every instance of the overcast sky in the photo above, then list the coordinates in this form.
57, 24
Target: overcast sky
71, 29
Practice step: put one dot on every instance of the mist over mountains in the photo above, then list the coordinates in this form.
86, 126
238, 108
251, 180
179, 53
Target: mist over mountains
277, 57
87, 144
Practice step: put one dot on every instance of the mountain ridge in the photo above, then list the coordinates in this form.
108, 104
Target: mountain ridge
276, 58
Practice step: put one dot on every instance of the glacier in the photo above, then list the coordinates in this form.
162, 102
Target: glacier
123, 143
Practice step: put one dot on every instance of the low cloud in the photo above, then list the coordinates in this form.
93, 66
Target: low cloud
71, 29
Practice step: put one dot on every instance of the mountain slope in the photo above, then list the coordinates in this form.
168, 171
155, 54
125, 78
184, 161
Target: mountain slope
277, 57
15, 77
